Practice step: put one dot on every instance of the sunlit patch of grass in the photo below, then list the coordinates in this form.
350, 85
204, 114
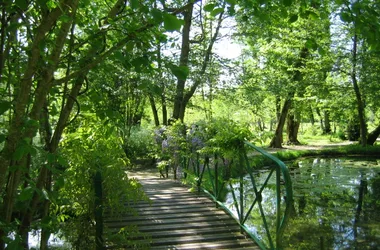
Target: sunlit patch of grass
319, 140
346, 150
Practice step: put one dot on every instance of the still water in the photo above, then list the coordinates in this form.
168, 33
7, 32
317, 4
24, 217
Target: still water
336, 205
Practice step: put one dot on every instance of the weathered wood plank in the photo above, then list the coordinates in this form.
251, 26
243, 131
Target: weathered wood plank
178, 219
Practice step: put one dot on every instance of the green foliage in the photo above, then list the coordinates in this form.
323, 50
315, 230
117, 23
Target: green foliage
89, 152
181, 72
140, 143
172, 23
226, 136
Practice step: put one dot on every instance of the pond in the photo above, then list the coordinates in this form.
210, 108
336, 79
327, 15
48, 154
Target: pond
336, 204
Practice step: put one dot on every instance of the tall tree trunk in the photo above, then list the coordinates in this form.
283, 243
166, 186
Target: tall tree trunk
206, 60
293, 125
372, 137
327, 128
277, 140
183, 60
359, 101
320, 119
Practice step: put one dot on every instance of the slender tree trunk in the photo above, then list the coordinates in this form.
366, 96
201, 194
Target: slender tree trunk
154, 110
22, 100
164, 109
278, 108
359, 101
14, 136
311, 116
163, 87
35, 114
3, 27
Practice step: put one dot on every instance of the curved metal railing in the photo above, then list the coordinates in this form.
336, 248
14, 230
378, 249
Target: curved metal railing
258, 188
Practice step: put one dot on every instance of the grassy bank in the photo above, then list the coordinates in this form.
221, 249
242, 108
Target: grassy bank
347, 150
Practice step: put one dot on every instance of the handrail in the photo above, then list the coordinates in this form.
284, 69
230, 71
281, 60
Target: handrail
212, 175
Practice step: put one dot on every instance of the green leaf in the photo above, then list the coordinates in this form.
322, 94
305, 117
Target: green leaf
62, 161
20, 151
65, 18
311, 44
216, 11
287, 2
4, 106
321, 51
293, 18
142, 86
2, 138
45, 194
135, 4
209, 7
23, 4
155, 89
26, 194
139, 62
231, 2
51, 158
157, 15
313, 15
181, 72
129, 46
59, 183
51, 4
172, 23
231, 10
345, 17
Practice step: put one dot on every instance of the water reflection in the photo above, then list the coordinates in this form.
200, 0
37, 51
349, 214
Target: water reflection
336, 205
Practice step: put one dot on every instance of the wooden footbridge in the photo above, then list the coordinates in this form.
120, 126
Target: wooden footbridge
179, 219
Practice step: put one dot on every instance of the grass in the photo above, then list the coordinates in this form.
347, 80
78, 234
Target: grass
347, 150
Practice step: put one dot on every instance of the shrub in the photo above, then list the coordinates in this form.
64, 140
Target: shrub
140, 144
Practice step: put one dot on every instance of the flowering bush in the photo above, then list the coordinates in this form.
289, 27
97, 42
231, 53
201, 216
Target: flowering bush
222, 136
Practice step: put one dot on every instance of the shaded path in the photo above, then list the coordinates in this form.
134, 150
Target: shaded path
179, 219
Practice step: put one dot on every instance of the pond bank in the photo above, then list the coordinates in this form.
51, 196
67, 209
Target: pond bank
346, 148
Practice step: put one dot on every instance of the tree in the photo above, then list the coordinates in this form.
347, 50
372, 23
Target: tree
292, 50
57, 44
182, 72
360, 20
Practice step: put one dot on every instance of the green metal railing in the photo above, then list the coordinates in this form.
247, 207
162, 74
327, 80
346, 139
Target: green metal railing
237, 174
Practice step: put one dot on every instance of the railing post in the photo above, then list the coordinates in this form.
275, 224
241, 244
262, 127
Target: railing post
216, 191
241, 190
